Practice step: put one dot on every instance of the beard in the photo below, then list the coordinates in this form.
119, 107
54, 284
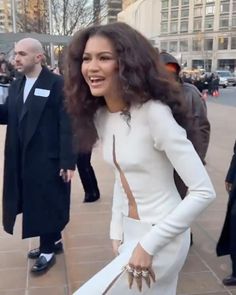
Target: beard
26, 69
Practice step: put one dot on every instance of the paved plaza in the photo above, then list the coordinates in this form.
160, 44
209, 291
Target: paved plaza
86, 241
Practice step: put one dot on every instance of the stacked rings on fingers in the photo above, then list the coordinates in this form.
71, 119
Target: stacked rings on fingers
137, 273
129, 268
145, 273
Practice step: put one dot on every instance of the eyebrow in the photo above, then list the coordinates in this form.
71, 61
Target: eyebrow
20, 52
99, 53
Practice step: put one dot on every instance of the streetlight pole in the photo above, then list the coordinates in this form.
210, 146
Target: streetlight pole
13, 11
51, 33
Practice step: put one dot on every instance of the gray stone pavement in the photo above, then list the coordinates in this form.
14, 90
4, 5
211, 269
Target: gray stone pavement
87, 246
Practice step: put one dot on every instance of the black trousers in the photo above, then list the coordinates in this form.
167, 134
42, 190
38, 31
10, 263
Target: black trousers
233, 258
47, 242
87, 174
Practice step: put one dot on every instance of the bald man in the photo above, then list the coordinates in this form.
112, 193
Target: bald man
39, 161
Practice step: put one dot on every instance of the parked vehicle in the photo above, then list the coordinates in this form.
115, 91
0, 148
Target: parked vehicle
234, 77
226, 76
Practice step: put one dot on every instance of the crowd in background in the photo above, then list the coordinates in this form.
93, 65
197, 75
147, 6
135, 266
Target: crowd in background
206, 84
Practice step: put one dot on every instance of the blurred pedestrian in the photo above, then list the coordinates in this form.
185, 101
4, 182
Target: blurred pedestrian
39, 162
87, 177
215, 85
118, 90
227, 241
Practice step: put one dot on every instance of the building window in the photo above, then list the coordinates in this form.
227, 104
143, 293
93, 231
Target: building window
164, 46
234, 6
234, 21
224, 23
173, 46
227, 64
209, 23
209, 1
183, 46
174, 3
164, 27
208, 44
198, 64
165, 3
174, 14
197, 1
198, 11
222, 43
197, 24
184, 26
174, 27
233, 43
197, 45
164, 15
184, 13
210, 10
224, 7
185, 2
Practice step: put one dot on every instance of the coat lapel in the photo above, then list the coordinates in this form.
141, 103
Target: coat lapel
19, 97
36, 102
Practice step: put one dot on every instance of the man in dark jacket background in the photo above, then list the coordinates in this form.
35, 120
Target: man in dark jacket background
39, 161
198, 126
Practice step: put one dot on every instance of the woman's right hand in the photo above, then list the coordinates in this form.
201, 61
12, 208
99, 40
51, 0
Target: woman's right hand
115, 246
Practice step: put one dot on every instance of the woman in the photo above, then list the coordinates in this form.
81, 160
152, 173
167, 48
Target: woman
118, 91
227, 242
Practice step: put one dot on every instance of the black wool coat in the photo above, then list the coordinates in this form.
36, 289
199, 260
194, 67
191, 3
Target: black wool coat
227, 241
38, 144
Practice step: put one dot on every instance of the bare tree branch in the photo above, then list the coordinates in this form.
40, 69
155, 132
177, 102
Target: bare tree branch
32, 18
68, 15
72, 15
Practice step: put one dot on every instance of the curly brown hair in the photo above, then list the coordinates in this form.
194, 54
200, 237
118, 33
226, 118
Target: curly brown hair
141, 73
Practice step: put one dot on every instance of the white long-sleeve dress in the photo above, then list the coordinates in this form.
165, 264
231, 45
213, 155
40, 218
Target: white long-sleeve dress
147, 147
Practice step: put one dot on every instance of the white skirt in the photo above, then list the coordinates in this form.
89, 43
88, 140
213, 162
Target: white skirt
166, 265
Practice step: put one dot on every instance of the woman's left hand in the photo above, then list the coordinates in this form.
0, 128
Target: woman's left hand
140, 259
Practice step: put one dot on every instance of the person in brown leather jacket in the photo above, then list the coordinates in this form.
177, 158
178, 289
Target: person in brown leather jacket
198, 126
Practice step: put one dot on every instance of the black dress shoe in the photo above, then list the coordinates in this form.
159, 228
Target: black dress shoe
42, 265
89, 198
35, 253
229, 281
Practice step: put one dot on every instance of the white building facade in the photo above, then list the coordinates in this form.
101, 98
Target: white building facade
110, 10
201, 33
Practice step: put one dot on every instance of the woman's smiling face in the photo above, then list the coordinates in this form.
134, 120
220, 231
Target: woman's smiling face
100, 67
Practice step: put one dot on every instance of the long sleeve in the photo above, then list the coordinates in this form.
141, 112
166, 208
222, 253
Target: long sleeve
116, 228
67, 155
198, 129
170, 138
205, 129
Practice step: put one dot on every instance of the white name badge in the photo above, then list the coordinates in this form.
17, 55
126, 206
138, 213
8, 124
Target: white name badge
41, 92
